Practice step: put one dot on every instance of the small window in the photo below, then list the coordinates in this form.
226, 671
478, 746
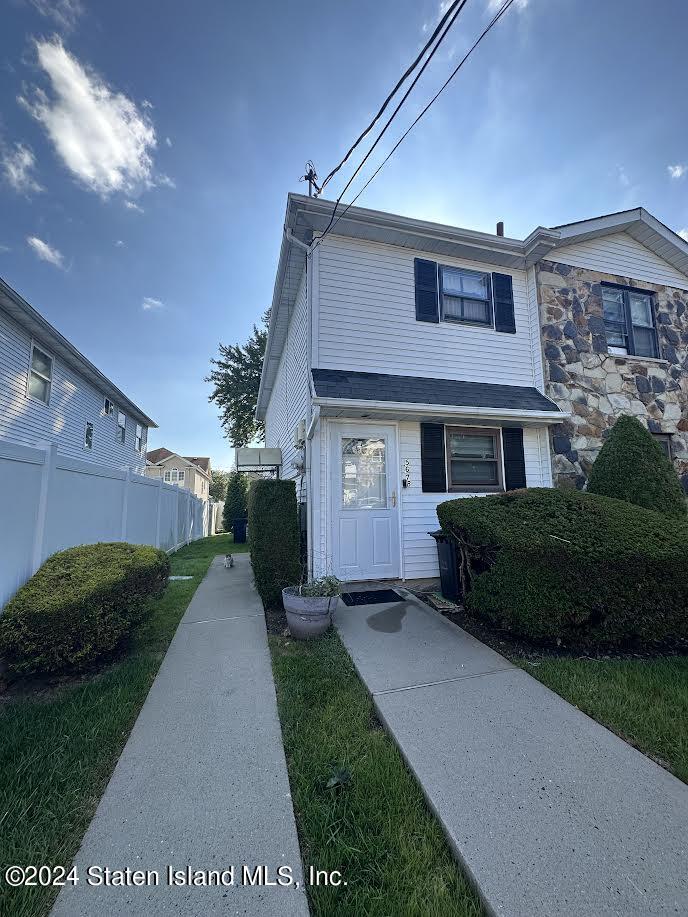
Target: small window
40, 375
139, 438
664, 441
88, 436
108, 407
182, 475
121, 426
466, 296
473, 459
166, 476
629, 321
175, 475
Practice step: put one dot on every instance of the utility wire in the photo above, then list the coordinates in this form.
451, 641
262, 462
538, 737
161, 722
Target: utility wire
389, 98
391, 118
494, 21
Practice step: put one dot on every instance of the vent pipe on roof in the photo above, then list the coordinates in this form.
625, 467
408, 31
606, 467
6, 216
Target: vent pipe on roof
500, 228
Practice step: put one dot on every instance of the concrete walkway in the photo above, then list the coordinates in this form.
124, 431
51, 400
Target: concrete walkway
549, 813
202, 782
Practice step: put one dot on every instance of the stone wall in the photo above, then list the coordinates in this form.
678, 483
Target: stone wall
596, 387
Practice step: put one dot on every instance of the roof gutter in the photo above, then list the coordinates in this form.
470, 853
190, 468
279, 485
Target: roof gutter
442, 410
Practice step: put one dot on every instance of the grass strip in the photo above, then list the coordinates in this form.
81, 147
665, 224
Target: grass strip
58, 748
358, 808
644, 701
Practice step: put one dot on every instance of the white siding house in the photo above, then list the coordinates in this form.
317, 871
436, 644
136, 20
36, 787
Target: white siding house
359, 388
51, 392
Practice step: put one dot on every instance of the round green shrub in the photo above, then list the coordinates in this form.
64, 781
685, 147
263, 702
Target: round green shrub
274, 538
632, 466
79, 606
562, 566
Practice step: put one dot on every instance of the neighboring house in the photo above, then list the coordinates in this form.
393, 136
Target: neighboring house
403, 368
51, 392
614, 308
190, 471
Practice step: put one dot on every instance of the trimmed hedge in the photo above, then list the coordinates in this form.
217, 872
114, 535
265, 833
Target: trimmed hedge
274, 538
236, 500
79, 606
632, 466
562, 566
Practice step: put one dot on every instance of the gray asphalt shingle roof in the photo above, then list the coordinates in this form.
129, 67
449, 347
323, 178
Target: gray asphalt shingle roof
342, 383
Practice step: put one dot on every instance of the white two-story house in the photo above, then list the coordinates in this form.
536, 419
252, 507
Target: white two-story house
49, 392
403, 368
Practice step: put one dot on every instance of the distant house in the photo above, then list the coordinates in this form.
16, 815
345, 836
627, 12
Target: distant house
51, 392
190, 471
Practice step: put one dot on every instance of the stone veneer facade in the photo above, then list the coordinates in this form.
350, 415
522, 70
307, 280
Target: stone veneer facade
594, 386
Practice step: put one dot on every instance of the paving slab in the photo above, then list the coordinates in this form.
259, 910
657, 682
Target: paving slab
548, 812
401, 644
202, 781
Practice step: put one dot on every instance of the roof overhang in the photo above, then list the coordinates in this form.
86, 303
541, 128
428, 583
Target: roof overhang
400, 410
175, 455
42, 331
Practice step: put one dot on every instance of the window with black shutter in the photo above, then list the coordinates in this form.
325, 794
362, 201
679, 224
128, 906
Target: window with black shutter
432, 459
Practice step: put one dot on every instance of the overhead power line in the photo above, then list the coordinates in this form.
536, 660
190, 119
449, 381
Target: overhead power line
398, 85
460, 5
493, 22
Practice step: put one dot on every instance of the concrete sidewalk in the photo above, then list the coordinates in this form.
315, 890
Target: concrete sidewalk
202, 782
548, 812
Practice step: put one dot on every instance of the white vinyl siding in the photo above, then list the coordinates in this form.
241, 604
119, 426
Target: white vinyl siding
419, 510
73, 402
367, 321
289, 400
620, 254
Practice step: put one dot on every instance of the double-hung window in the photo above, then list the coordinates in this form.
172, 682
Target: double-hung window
629, 321
166, 475
88, 435
182, 475
466, 296
40, 375
139, 438
175, 475
108, 407
473, 459
121, 426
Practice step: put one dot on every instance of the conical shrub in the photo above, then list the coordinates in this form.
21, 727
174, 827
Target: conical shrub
632, 466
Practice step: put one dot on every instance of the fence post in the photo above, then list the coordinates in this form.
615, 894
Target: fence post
158, 513
47, 473
126, 484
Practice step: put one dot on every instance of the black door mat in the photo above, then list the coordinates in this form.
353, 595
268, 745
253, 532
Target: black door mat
371, 597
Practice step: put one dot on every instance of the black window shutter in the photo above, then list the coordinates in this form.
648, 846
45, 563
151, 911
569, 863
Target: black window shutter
433, 470
514, 460
427, 292
503, 296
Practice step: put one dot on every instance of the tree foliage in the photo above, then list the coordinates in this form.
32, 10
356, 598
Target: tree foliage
236, 499
218, 485
632, 466
235, 378
274, 536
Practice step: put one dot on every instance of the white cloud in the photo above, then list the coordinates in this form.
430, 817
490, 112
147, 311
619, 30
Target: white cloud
4, 249
45, 252
119, 243
149, 304
683, 233
494, 6
168, 141
18, 165
164, 181
622, 176
100, 135
677, 171
64, 13
131, 205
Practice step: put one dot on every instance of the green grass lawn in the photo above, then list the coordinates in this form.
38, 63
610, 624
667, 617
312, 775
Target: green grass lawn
58, 749
375, 827
645, 701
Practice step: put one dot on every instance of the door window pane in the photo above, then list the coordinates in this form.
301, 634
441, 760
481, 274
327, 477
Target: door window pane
364, 474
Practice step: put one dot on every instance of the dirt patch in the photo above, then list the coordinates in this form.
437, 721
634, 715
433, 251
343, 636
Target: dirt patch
276, 621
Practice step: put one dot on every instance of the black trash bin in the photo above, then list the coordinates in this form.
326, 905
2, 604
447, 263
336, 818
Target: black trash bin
239, 529
449, 574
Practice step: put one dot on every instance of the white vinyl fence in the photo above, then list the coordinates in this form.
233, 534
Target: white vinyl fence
49, 502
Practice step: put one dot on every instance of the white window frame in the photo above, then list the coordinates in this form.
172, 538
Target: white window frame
489, 300
121, 428
35, 346
182, 476
139, 438
108, 401
88, 424
175, 476
166, 476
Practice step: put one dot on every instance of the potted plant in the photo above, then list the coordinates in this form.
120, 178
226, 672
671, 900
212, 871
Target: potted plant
309, 606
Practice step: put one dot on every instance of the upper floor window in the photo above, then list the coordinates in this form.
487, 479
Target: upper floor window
40, 375
629, 321
88, 436
466, 296
473, 459
108, 407
175, 475
121, 426
166, 476
182, 475
140, 438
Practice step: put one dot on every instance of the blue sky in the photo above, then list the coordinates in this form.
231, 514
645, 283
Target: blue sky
146, 150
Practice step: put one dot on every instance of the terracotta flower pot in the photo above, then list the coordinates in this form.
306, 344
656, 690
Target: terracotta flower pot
307, 615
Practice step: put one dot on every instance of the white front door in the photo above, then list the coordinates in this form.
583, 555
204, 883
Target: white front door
364, 501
